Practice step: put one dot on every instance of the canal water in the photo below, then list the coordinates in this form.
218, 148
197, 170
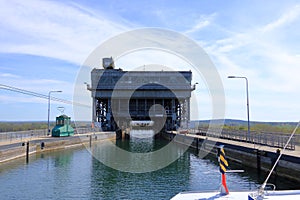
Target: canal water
76, 174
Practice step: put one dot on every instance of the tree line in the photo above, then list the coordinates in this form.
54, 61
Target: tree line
25, 126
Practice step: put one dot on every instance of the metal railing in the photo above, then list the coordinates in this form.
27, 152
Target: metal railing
262, 138
20, 136
86, 130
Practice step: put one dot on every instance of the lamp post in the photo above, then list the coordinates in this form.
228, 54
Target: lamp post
248, 134
194, 86
49, 97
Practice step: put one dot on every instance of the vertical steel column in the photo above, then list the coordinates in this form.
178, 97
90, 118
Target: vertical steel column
109, 114
189, 109
145, 107
136, 106
119, 104
173, 113
94, 110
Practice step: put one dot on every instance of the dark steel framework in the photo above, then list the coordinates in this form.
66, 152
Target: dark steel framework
122, 96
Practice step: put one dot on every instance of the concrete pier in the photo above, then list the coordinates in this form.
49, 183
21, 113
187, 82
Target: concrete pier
251, 155
15, 149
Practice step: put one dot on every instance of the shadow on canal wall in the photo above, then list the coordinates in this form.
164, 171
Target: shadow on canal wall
24, 149
288, 166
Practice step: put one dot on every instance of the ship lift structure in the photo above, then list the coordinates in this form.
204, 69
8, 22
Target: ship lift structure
159, 98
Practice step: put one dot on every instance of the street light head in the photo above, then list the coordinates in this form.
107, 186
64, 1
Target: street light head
55, 91
237, 77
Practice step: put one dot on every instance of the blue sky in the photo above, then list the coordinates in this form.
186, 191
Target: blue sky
44, 43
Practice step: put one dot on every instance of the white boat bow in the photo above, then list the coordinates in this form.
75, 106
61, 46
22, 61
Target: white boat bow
260, 194
268, 195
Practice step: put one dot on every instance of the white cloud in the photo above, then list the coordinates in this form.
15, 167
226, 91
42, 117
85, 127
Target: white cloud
251, 53
272, 69
53, 29
291, 15
41, 86
8, 75
70, 32
5, 99
203, 21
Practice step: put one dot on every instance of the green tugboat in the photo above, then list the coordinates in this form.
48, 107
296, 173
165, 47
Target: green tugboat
62, 127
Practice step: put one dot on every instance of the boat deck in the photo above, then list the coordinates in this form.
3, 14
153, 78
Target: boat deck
270, 195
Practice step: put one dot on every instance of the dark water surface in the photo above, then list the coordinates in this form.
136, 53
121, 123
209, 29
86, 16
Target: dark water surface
75, 174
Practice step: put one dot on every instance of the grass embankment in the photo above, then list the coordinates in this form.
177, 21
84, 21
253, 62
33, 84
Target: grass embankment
24, 126
270, 127
280, 128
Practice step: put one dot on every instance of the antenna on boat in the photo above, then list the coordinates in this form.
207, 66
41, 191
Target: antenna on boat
61, 109
223, 168
264, 184
261, 189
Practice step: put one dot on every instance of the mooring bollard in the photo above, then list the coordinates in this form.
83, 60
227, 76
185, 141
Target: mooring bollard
90, 141
278, 151
42, 145
197, 145
119, 134
258, 160
27, 152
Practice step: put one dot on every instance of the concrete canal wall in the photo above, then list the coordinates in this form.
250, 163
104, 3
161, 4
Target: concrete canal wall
15, 150
256, 156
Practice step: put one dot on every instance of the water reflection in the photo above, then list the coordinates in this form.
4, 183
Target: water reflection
109, 183
141, 141
142, 134
75, 174
137, 155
